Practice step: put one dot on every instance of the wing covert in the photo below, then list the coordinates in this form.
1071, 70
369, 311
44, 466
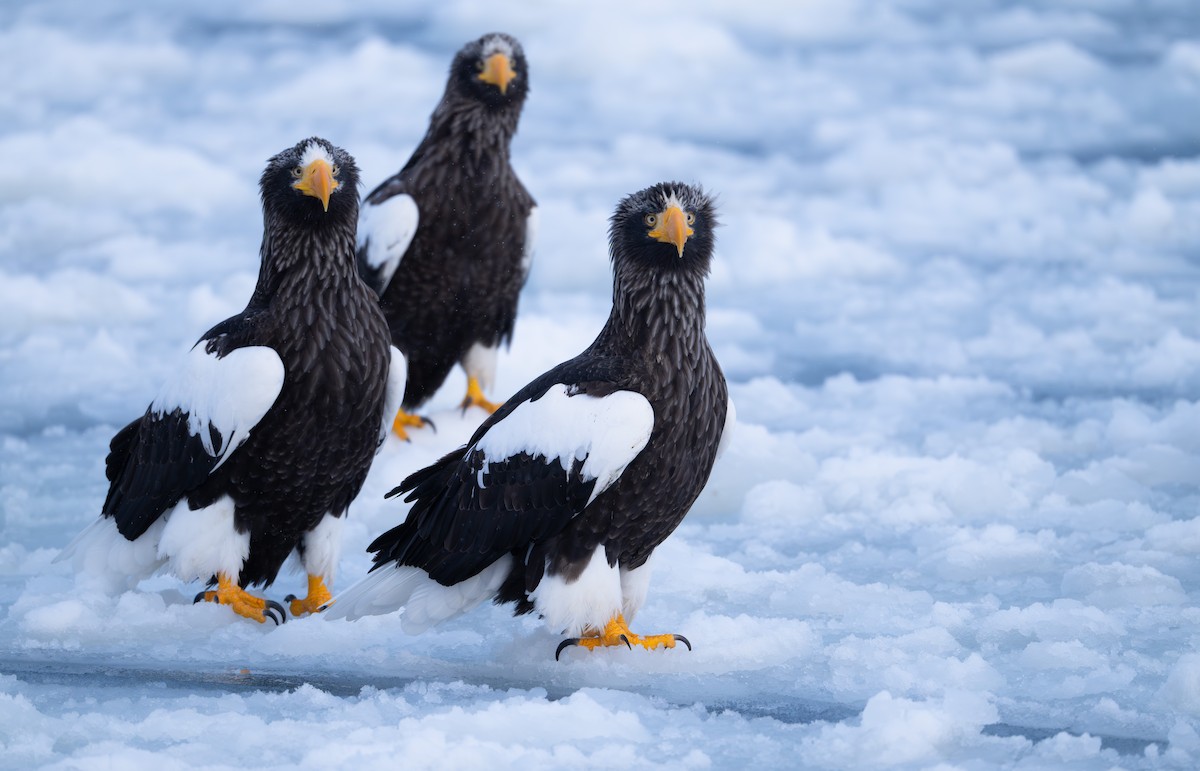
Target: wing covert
385, 230
194, 425
523, 478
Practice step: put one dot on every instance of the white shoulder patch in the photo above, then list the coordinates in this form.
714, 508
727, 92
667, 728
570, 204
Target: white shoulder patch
394, 395
531, 232
386, 229
727, 431
231, 393
609, 431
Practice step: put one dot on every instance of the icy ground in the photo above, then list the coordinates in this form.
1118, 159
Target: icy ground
956, 295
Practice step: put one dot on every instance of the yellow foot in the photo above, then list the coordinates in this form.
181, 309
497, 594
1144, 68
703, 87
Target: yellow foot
616, 632
406, 420
318, 597
475, 397
242, 602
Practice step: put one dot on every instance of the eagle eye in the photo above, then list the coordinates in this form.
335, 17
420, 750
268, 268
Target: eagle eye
650, 219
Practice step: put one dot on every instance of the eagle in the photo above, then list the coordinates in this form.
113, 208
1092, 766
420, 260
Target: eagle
256, 446
447, 242
561, 496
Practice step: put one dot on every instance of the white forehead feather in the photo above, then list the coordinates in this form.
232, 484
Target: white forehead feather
497, 45
671, 199
313, 151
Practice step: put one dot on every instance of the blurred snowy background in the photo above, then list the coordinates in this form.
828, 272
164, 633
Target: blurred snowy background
957, 295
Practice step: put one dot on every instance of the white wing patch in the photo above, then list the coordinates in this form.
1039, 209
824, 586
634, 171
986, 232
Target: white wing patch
394, 395
531, 232
609, 431
386, 229
231, 393
727, 430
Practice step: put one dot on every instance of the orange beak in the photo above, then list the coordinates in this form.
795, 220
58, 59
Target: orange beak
498, 71
672, 228
317, 180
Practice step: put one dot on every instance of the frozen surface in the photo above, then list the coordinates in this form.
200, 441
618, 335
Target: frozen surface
957, 295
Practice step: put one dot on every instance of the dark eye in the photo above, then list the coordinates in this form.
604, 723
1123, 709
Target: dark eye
691, 219
297, 172
650, 219
479, 65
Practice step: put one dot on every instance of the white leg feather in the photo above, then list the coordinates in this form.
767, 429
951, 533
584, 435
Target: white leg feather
634, 585
479, 362
589, 601
323, 548
200, 543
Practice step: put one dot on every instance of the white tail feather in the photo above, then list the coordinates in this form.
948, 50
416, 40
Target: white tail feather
425, 601
382, 591
101, 552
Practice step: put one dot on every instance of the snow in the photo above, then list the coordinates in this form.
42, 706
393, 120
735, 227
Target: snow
955, 295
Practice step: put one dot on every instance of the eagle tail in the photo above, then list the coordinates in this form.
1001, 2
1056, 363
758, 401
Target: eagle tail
425, 601
100, 553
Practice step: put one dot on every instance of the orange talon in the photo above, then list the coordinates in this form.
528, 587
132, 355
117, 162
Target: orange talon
616, 632
475, 397
318, 597
242, 602
404, 421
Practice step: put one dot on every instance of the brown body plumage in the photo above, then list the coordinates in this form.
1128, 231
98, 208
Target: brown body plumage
455, 284
586, 470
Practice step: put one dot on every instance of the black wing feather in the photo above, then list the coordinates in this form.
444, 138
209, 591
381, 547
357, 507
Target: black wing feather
152, 463
457, 527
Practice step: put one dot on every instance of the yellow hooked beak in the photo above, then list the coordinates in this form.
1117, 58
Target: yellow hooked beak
672, 228
498, 71
316, 179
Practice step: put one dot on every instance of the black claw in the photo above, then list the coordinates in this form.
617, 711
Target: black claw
324, 607
431, 424
200, 597
684, 640
625, 640
289, 598
567, 643
273, 608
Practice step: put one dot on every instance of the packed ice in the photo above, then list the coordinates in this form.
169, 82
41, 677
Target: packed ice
956, 293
